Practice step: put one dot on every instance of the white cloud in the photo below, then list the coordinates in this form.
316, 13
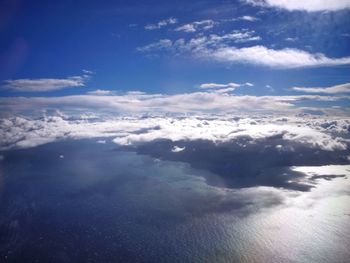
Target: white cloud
44, 84
282, 58
160, 45
306, 5
197, 25
214, 100
291, 39
162, 23
177, 149
236, 36
342, 88
334, 170
223, 88
201, 43
100, 92
216, 85
248, 18
220, 48
24, 132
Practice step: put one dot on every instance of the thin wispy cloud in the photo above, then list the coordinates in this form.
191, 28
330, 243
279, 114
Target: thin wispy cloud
223, 88
44, 84
291, 39
162, 23
220, 86
100, 92
197, 25
311, 6
162, 44
342, 88
248, 18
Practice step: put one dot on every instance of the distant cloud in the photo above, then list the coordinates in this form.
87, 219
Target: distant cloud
45, 84
220, 86
270, 88
342, 88
248, 18
162, 23
197, 25
223, 88
100, 92
291, 39
161, 44
310, 5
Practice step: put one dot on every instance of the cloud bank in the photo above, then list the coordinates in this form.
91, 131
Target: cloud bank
319, 133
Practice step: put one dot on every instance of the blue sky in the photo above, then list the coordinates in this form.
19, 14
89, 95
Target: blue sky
174, 47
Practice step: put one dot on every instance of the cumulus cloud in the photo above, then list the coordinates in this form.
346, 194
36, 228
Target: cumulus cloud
310, 5
342, 88
162, 23
44, 84
197, 25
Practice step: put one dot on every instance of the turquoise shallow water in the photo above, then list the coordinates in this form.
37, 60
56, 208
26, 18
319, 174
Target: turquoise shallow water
79, 201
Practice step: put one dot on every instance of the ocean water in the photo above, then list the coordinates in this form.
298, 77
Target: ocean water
82, 201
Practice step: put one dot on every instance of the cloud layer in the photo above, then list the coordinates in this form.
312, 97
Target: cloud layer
206, 101
319, 133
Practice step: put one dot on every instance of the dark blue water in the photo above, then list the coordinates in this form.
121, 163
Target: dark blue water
79, 201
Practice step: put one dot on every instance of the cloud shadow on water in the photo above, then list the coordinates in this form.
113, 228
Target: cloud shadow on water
245, 162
